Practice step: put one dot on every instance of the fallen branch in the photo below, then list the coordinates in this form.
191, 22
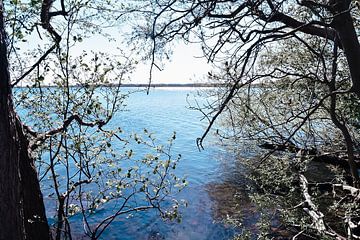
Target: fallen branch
317, 217
355, 192
311, 210
334, 158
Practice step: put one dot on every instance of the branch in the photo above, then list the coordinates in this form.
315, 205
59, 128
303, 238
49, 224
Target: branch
231, 15
45, 17
199, 141
311, 209
42, 137
42, 58
309, 28
355, 192
75, 185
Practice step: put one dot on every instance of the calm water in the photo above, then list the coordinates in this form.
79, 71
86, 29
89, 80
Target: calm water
213, 175
216, 190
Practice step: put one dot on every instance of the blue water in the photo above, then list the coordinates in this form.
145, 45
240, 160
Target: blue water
212, 175
216, 189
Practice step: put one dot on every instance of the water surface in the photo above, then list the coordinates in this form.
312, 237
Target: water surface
216, 191
216, 186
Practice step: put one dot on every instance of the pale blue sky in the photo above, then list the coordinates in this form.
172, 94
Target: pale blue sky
185, 66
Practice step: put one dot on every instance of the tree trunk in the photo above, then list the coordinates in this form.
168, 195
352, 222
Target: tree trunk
341, 125
22, 212
344, 25
36, 225
11, 209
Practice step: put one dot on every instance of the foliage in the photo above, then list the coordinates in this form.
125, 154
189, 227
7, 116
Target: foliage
286, 99
84, 168
288, 70
66, 96
289, 82
283, 203
243, 38
287, 111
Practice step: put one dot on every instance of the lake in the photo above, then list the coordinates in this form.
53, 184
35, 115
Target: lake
217, 189
215, 180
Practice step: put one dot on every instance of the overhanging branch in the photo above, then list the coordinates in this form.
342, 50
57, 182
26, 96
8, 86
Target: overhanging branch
43, 136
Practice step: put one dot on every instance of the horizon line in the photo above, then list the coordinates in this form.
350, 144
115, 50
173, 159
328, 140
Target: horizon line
152, 85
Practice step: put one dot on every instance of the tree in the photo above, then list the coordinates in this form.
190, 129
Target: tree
60, 134
267, 113
288, 71
236, 32
21, 196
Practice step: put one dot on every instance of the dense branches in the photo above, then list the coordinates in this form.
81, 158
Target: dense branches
289, 71
235, 33
65, 127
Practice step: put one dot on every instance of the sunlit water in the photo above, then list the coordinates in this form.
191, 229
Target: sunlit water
216, 189
212, 174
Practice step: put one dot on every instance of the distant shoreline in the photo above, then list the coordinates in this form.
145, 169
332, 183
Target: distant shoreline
170, 85
140, 85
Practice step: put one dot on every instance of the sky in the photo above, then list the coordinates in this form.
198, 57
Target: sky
184, 66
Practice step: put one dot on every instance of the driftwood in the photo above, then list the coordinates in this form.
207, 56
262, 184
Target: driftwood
308, 206
311, 209
318, 222
330, 187
355, 192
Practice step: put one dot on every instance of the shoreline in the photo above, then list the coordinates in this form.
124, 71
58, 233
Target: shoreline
140, 85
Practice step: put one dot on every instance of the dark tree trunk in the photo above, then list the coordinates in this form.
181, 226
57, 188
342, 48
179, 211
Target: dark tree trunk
22, 212
36, 224
11, 205
344, 25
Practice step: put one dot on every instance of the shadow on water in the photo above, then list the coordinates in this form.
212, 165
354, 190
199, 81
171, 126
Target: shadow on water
231, 204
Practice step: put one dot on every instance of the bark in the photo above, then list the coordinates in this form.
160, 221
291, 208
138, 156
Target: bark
22, 212
11, 209
36, 224
344, 25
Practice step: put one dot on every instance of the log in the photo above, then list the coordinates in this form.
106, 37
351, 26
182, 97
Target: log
312, 210
329, 158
